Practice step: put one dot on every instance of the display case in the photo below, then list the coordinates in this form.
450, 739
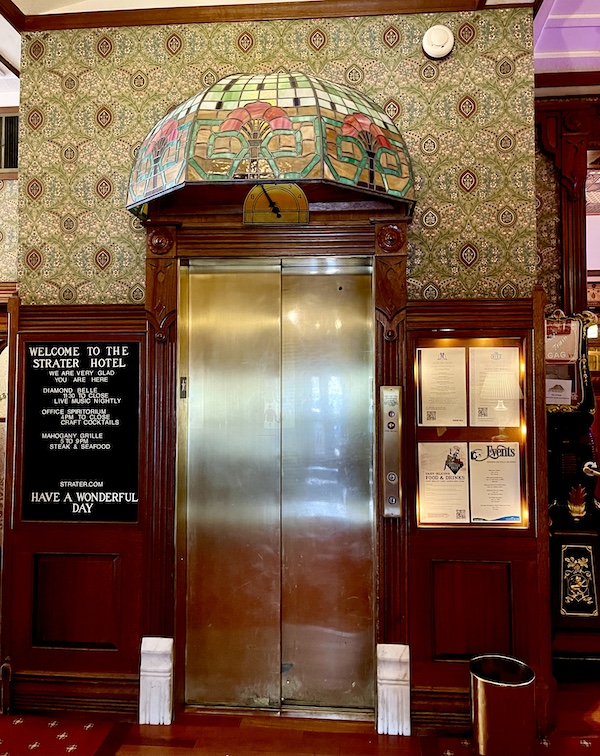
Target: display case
471, 432
571, 359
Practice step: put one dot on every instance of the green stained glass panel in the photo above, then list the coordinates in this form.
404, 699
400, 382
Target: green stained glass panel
161, 163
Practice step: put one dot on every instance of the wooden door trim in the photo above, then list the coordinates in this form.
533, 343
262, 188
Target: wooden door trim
173, 239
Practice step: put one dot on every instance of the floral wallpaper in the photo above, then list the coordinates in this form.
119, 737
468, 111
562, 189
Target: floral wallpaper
8, 229
89, 97
548, 230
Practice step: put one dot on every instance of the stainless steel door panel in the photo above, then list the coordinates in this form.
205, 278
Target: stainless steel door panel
327, 517
233, 637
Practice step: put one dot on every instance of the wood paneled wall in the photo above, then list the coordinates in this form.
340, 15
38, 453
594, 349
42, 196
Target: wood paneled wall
567, 129
78, 597
476, 589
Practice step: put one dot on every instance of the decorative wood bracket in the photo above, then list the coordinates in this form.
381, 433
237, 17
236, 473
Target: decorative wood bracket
161, 279
390, 276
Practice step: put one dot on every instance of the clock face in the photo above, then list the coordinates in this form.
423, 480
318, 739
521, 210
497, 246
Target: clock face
275, 203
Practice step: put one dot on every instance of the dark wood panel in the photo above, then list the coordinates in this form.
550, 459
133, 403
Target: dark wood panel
471, 608
76, 595
29, 612
567, 79
233, 13
355, 242
489, 316
107, 319
567, 129
448, 711
479, 589
81, 692
76, 600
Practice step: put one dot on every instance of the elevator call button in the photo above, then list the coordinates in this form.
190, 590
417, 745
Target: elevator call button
390, 435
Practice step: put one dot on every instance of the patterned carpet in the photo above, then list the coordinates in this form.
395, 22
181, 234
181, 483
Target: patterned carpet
44, 736
554, 745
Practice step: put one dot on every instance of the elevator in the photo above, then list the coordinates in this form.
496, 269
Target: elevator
276, 482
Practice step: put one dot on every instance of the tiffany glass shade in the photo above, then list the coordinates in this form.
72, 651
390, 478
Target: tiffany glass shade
276, 127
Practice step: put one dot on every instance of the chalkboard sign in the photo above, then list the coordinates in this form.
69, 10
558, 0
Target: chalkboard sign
81, 431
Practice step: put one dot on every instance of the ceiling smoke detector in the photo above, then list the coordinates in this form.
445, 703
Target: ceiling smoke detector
438, 41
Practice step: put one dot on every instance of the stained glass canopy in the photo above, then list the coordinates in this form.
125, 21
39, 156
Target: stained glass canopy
287, 127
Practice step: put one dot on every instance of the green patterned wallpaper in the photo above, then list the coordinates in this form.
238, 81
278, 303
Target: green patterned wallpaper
89, 97
8, 229
548, 230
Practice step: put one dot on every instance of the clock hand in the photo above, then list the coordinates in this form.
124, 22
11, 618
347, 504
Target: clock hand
272, 205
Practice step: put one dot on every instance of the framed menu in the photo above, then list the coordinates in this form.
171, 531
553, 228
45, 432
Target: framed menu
495, 392
441, 396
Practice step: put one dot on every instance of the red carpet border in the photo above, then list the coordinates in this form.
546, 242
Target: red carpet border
46, 736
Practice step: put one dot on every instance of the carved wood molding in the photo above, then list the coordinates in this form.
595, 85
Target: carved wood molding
162, 270
7, 290
566, 130
390, 237
389, 267
161, 280
390, 292
160, 241
390, 274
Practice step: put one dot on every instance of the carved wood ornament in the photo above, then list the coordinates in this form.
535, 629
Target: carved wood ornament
161, 280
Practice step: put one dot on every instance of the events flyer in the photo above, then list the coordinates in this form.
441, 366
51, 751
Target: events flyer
495, 482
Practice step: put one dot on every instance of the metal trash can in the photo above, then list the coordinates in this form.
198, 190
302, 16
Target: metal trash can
502, 705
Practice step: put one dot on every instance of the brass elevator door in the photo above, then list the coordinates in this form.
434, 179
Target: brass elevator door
279, 477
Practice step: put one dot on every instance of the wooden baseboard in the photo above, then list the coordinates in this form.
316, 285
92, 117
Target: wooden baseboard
440, 711
42, 691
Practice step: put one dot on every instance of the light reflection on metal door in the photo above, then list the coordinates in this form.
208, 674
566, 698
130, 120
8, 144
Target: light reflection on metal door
279, 483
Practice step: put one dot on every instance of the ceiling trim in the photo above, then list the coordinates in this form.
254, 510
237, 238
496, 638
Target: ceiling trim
567, 79
12, 14
7, 64
270, 11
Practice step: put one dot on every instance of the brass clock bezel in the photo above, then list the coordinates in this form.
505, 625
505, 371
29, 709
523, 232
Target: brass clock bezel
276, 203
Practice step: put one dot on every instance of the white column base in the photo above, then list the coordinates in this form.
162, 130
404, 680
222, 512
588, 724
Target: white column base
156, 681
393, 689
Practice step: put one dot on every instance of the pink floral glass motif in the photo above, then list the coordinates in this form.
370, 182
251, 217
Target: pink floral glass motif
256, 121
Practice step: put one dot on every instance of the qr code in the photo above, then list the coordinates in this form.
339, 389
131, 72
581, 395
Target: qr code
482, 411
461, 514
432, 414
